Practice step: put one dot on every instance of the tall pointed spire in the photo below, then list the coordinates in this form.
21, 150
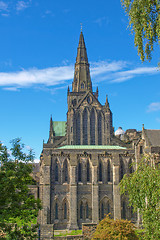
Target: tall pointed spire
82, 80
51, 132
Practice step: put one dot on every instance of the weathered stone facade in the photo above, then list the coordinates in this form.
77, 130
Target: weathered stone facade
80, 170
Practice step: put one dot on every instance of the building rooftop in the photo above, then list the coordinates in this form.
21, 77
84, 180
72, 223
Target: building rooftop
103, 147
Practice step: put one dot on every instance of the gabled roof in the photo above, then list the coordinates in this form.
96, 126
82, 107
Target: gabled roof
153, 137
88, 93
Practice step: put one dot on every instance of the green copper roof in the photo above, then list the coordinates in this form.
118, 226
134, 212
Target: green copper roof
59, 128
100, 147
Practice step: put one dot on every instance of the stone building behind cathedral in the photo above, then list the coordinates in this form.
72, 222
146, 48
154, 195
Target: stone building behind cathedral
83, 161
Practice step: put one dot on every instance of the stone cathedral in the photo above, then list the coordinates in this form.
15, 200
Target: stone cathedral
83, 161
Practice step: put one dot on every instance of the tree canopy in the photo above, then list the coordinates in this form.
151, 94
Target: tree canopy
143, 189
144, 20
18, 207
115, 230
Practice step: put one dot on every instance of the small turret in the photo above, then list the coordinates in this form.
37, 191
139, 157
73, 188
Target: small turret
96, 93
107, 103
51, 132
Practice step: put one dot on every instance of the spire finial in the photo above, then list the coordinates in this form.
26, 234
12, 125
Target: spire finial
81, 27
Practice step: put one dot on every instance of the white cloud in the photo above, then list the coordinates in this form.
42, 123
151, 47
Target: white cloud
3, 6
26, 78
113, 72
153, 107
21, 5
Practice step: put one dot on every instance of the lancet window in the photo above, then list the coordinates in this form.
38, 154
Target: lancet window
56, 171
108, 171
92, 127
121, 169
88, 171
85, 127
79, 172
78, 129
56, 210
99, 129
65, 171
100, 171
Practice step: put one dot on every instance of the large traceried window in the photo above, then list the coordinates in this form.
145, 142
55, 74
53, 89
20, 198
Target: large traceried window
78, 142
92, 127
85, 127
99, 129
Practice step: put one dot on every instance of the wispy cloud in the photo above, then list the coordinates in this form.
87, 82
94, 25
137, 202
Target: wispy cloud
21, 5
153, 107
102, 20
112, 72
48, 13
4, 9
3, 6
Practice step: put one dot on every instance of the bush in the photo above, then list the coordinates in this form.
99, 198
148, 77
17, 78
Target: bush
109, 229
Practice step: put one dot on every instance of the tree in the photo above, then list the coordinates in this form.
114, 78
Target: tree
143, 190
144, 20
18, 207
115, 230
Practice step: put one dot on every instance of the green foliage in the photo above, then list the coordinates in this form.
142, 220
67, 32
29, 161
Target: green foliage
109, 229
144, 20
143, 189
18, 208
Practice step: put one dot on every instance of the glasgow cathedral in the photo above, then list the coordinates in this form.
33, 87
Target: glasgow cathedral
84, 160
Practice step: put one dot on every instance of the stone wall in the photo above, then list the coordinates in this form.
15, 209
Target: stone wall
69, 237
88, 230
46, 232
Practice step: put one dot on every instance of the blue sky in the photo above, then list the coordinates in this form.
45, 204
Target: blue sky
38, 47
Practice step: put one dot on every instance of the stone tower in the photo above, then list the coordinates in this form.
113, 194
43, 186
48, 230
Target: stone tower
88, 121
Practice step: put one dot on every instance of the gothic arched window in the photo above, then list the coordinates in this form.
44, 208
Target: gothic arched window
78, 129
65, 210
123, 210
87, 211
85, 127
108, 208
100, 172
56, 171
56, 210
65, 171
102, 211
92, 127
121, 169
82, 85
99, 129
88, 172
81, 211
79, 172
108, 171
